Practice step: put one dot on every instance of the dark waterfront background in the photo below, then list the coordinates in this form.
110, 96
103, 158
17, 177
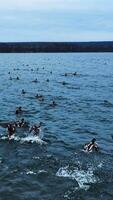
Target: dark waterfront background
33, 47
58, 169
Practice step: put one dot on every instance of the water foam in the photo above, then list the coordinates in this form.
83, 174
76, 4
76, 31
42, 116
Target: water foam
32, 139
16, 138
31, 172
29, 139
84, 178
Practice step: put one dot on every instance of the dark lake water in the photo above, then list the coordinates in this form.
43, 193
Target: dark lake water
58, 168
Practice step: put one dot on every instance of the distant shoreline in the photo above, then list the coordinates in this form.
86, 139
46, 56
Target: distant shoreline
55, 47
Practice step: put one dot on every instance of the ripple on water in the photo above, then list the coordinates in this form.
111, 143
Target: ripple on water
30, 170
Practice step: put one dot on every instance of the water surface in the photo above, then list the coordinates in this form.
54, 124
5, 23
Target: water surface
58, 169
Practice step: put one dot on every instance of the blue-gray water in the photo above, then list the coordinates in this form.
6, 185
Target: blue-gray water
58, 169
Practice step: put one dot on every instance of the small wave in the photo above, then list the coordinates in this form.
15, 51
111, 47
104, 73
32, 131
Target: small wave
11, 138
29, 139
42, 171
108, 103
32, 139
100, 165
1, 160
73, 88
36, 157
83, 177
31, 172
28, 173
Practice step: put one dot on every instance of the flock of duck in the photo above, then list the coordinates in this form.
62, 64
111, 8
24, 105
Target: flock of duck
35, 129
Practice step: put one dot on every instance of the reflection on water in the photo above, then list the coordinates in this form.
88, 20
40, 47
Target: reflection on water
55, 167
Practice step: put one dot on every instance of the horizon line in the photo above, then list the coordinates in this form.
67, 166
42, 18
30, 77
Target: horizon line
56, 41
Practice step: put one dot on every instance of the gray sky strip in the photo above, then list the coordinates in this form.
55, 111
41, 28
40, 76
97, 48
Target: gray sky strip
56, 20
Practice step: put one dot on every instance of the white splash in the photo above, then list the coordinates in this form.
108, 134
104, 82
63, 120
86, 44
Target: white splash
36, 157
16, 138
83, 177
29, 139
30, 172
32, 139
42, 171
100, 165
